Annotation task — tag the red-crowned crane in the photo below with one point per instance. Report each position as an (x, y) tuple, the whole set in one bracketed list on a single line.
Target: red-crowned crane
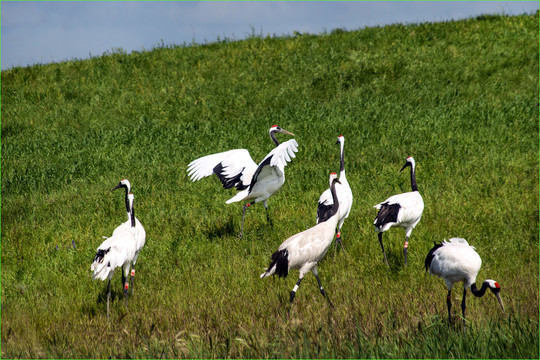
[(344, 193), (115, 252), (454, 261), (404, 210), (235, 168), (140, 233), (304, 250)]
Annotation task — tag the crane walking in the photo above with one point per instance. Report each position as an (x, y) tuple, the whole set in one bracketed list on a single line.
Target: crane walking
[(344, 193), (236, 168), (304, 250), (454, 261), (404, 210)]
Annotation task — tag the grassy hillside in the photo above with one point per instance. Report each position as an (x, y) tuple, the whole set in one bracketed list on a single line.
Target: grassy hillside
[(461, 97)]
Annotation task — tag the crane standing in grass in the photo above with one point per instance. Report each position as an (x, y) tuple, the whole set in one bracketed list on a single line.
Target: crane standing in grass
[(454, 261), (235, 168), (344, 193), (140, 233), (116, 252), (304, 250), (403, 210)]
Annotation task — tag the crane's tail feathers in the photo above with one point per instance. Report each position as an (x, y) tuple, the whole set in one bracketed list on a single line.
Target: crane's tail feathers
[(238, 197), (101, 270), (279, 264)]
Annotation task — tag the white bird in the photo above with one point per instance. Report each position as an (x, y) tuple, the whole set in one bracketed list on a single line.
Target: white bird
[(344, 193), (454, 261), (116, 251), (140, 233), (404, 210), (235, 168), (304, 250)]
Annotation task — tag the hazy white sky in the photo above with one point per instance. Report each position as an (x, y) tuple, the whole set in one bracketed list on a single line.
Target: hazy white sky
[(43, 32)]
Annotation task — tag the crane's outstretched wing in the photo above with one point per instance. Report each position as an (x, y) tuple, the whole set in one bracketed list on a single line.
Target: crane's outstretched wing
[(233, 168), (277, 158)]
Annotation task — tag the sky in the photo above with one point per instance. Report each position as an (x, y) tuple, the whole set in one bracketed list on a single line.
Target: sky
[(40, 32)]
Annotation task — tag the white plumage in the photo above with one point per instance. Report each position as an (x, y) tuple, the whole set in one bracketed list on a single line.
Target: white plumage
[(116, 252), (304, 250), (140, 233), (403, 210), (235, 168), (456, 261), (344, 194)]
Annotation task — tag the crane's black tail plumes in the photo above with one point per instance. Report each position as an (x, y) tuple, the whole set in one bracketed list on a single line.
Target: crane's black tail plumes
[(279, 264), (431, 255), (388, 213)]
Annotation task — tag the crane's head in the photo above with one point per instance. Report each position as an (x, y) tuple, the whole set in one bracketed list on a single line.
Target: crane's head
[(340, 139), (496, 289), (408, 162), (123, 183), (275, 129), (333, 179)]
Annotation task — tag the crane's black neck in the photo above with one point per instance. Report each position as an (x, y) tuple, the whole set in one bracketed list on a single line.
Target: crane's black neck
[(481, 292), (335, 205), (413, 179), (126, 199), (132, 215), (273, 136)]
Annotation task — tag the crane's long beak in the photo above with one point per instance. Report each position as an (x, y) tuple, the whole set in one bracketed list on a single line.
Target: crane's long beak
[(500, 300), (283, 131), (404, 166), (116, 187)]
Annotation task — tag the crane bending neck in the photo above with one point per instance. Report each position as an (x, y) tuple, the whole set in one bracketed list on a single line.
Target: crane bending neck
[(481, 292)]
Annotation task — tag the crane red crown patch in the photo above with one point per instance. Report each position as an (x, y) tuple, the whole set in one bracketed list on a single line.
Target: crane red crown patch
[(274, 126), (333, 173), (497, 285)]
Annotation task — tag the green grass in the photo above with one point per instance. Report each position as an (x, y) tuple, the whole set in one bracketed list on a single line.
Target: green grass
[(461, 97)]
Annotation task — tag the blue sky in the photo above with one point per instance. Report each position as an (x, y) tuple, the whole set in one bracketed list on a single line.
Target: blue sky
[(44, 32)]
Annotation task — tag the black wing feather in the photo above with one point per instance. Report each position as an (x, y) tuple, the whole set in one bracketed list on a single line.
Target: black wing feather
[(431, 255), (324, 212), (230, 182), (387, 213)]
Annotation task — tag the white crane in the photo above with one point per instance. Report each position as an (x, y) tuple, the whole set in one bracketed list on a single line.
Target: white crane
[(140, 233), (404, 210), (116, 251), (304, 250), (235, 168), (344, 193), (454, 261)]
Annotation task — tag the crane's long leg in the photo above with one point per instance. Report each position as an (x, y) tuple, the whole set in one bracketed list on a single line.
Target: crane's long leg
[(463, 306), (338, 240), (295, 288), (243, 215), (314, 271), (405, 247), (382, 247), (108, 297), (132, 277), (125, 285), (265, 203), (449, 305)]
